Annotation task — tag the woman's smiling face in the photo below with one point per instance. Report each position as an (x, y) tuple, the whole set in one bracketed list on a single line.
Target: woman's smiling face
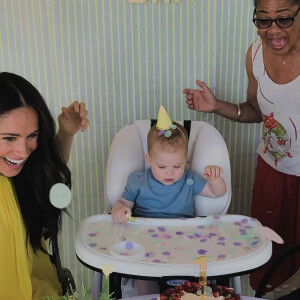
[(19, 129), (279, 40)]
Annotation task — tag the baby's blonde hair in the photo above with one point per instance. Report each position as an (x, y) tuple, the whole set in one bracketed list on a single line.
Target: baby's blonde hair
[(178, 138)]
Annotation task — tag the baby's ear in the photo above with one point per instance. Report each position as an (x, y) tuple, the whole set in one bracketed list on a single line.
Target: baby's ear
[(148, 159)]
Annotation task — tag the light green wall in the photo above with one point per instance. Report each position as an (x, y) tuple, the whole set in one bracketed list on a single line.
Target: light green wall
[(124, 60)]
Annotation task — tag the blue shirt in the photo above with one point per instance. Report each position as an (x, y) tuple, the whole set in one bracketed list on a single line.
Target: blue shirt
[(156, 200)]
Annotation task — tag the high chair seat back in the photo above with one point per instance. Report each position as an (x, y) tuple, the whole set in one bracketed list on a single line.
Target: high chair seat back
[(206, 147)]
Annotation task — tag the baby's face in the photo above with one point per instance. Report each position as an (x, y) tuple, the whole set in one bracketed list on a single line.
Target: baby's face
[(167, 167)]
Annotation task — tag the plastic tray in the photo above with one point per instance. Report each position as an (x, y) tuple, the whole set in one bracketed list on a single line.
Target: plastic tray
[(164, 247)]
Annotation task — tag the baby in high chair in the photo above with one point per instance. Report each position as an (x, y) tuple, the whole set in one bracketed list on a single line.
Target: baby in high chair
[(166, 189)]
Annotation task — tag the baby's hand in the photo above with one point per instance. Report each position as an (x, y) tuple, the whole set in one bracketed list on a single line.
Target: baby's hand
[(212, 172), (121, 214)]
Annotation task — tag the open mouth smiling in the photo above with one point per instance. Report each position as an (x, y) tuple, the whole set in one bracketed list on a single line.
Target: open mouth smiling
[(13, 162), (278, 43)]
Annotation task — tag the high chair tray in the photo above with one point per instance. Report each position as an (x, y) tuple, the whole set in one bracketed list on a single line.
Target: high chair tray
[(164, 247)]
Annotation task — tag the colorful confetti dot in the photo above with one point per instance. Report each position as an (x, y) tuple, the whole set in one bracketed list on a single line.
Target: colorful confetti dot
[(150, 254), (247, 249), (190, 181), (179, 232), (166, 236), (168, 133), (161, 229), (129, 245)]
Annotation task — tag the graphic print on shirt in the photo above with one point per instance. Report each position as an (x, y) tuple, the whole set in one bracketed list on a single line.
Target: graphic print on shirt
[(277, 140)]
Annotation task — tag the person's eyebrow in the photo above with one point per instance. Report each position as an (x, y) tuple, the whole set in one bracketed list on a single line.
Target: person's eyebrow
[(277, 11), (16, 134), (8, 133)]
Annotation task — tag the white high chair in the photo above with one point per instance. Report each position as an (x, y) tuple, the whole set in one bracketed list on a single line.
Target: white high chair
[(206, 147)]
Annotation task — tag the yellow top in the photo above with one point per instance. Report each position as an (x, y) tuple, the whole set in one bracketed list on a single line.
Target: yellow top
[(23, 274)]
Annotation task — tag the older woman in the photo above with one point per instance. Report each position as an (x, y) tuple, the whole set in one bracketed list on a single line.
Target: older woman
[(273, 97)]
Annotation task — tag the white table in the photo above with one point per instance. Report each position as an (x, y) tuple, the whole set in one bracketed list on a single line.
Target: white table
[(167, 247)]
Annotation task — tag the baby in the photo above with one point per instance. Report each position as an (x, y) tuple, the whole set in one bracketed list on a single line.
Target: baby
[(166, 189)]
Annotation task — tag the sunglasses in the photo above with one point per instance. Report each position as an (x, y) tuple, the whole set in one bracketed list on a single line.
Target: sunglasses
[(280, 22)]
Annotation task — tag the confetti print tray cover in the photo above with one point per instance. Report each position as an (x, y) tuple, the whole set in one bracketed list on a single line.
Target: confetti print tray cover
[(174, 241)]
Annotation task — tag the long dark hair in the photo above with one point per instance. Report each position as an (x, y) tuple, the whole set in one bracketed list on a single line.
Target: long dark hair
[(43, 168)]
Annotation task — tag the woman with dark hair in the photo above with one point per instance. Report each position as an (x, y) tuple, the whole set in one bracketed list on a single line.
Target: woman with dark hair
[(273, 97), (32, 160)]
